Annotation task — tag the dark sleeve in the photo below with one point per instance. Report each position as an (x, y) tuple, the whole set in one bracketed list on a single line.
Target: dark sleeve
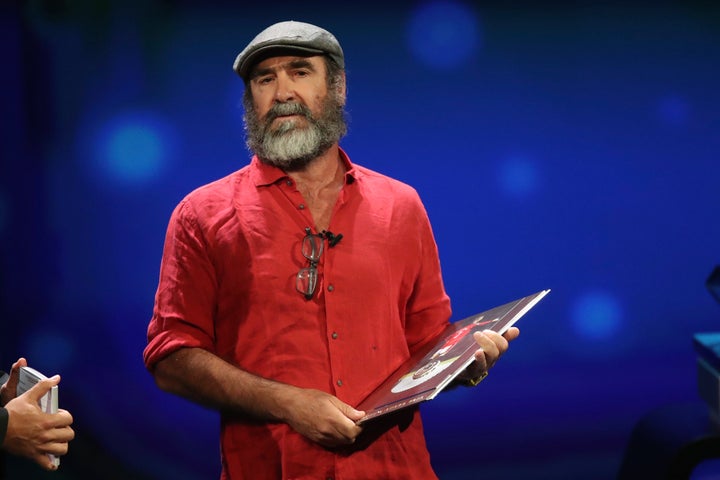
[(3, 416), (3, 424)]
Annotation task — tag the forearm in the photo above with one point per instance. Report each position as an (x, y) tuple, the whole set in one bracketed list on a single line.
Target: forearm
[(206, 379)]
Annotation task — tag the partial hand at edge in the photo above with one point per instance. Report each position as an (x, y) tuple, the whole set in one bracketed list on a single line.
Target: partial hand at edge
[(9, 390), (33, 433)]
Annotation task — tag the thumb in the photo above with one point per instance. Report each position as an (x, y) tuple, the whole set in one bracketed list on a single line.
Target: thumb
[(42, 387), (21, 362), (351, 413)]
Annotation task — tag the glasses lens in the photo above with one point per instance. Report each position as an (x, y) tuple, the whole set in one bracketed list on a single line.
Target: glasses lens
[(312, 247), (306, 281)]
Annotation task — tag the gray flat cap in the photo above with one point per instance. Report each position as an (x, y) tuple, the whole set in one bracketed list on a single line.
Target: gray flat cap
[(288, 38)]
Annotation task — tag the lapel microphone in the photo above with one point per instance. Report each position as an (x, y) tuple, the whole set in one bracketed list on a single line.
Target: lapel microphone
[(332, 238)]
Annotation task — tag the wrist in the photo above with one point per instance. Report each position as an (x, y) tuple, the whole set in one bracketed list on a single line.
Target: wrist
[(280, 402)]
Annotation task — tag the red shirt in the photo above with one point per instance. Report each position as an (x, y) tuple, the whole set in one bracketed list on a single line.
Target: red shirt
[(227, 284)]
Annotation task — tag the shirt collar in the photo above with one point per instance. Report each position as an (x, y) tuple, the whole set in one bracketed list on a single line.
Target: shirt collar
[(264, 174)]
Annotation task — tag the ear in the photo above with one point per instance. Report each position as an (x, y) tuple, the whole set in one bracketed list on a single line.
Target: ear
[(342, 88)]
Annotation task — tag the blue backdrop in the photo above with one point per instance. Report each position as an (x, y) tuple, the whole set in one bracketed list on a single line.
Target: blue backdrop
[(571, 146)]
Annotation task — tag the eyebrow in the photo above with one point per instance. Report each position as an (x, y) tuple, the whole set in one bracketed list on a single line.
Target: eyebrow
[(296, 63)]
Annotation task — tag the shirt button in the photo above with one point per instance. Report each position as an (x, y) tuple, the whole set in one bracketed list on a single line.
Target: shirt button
[(331, 287), (339, 382), (334, 335), (301, 206), (288, 183)]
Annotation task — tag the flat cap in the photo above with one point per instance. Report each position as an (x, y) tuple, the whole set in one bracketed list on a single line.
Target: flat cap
[(288, 38)]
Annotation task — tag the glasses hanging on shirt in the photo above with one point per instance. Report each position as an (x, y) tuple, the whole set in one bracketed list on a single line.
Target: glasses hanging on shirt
[(312, 248)]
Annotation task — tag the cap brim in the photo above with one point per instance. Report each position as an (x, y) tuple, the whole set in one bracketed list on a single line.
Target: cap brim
[(244, 65)]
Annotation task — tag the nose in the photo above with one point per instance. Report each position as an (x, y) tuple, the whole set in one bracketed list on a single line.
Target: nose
[(285, 91)]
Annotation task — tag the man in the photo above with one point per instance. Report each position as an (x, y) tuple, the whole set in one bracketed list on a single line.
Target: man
[(25, 429), (292, 287)]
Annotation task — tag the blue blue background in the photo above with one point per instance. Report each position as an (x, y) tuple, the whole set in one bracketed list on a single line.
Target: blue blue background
[(572, 146)]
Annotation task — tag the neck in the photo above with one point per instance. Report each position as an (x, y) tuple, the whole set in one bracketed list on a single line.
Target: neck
[(324, 171), (320, 183)]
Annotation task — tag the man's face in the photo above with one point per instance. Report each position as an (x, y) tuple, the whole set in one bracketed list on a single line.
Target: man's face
[(291, 116)]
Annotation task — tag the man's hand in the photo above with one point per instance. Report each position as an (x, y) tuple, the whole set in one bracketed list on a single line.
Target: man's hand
[(322, 418), (33, 433), (492, 347), (9, 390)]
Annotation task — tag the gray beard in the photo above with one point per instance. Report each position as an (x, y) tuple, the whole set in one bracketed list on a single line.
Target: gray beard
[(290, 146)]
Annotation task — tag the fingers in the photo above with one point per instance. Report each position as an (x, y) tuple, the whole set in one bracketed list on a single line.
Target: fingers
[(58, 447), (345, 427), (42, 387), (492, 346), (61, 419), (491, 343), (62, 433), (348, 435), (58, 434), (350, 412), (511, 334), (327, 420), (349, 429), (55, 442)]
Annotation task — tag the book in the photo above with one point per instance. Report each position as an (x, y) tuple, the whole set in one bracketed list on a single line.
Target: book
[(432, 368), (48, 403)]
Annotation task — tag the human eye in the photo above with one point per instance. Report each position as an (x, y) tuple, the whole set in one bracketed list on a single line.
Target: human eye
[(264, 79), (301, 69)]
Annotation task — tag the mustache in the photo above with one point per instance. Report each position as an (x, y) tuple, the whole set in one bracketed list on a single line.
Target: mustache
[(288, 108)]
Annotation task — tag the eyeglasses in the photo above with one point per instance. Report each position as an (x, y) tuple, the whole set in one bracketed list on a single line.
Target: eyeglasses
[(312, 248)]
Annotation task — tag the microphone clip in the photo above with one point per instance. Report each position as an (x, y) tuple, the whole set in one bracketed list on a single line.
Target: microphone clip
[(331, 237)]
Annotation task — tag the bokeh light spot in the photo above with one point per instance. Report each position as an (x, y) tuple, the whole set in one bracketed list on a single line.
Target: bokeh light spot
[(134, 151), (596, 315), (443, 35), (133, 148), (518, 177)]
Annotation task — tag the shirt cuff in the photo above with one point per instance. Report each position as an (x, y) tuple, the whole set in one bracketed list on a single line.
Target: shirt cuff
[(3, 424)]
